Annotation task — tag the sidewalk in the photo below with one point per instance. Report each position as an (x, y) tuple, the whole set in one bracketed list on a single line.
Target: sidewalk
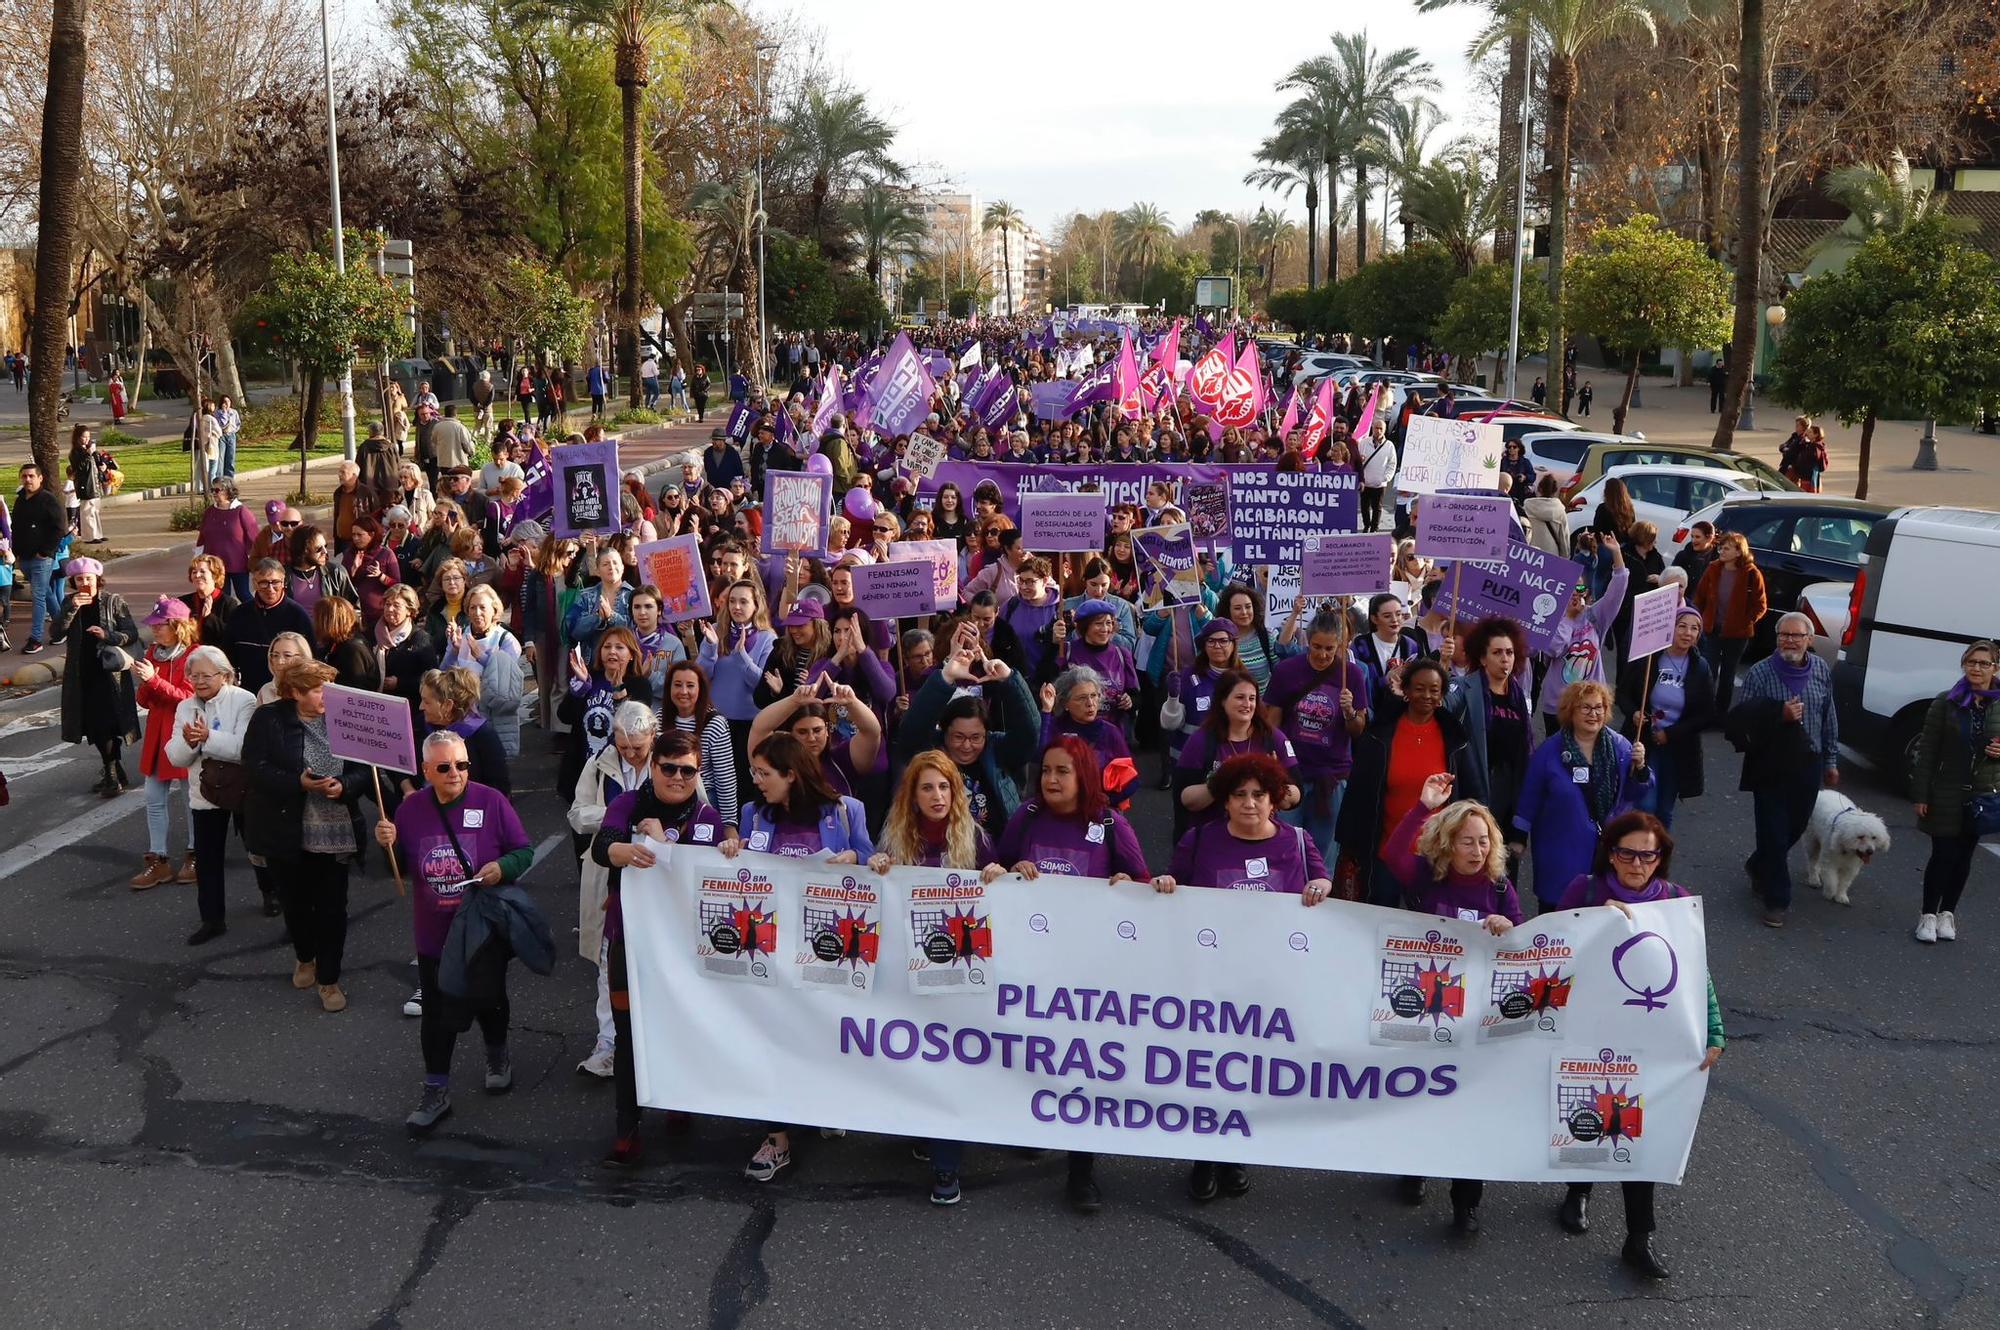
[(155, 559)]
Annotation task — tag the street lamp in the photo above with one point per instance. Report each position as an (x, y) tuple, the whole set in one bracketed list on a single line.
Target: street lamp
[(1774, 318), (763, 330), (339, 242), (1236, 286), (1520, 240)]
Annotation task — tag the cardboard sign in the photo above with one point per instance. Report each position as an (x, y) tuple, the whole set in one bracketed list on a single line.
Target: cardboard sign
[(1653, 616), (797, 506), (923, 455), (586, 489), (895, 590), (1442, 454), (1456, 527), (942, 556), (370, 727), (1346, 565), (673, 568), (1063, 523)]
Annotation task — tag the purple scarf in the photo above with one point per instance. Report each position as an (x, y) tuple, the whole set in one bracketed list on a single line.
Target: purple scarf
[(1964, 695)]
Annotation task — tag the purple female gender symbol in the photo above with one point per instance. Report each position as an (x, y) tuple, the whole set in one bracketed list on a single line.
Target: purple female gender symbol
[(1648, 999)]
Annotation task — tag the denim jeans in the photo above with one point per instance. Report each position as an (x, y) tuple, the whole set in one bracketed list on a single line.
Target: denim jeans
[(226, 455), (1666, 791), (1781, 813), (1318, 814), (44, 593), (158, 814)]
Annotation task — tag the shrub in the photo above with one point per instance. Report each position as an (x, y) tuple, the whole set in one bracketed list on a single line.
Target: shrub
[(187, 516), (637, 415), (117, 438), (280, 419)]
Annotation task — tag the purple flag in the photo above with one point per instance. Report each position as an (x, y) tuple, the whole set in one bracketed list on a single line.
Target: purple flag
[(1100, 385), (829, 401), (900, 396), (1201, 325), (538, 499), (1000, 403)]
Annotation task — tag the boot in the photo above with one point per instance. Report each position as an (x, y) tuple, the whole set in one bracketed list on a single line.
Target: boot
[(185, 873), (1639, 1257), (105, 784), (116, 782), (1575, 1213), (158, 869), (1082, 1191)]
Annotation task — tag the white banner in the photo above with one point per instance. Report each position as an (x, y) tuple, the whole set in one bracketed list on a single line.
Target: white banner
[(1442, 454), (1067, 1013)]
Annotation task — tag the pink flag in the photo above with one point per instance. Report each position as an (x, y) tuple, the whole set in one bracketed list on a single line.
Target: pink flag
[(1320, 422), (1248, 363), (1167, 355), (1291, 415), (1375, 395), (1207, 376), (1242, 391), (1129, 400)]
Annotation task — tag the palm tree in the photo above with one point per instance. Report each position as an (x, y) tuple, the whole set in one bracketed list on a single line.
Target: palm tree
[(888, 228), (1568, 30), (1143, 231), (1318, 121), (1513, 90), (1885, 200), (837, 138), (1450, 200), (57, 224), (1291, 163), (1005, 218), (1406, 135), (1367, 84), (1273, 234)]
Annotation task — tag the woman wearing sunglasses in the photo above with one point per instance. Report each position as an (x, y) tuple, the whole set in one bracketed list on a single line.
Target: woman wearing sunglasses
[(1634, 855)]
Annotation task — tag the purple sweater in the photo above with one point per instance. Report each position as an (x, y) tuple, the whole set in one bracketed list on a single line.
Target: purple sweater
[(228, 534), (1113, 662), (1310, 700), (1453, 896), (487, 828), (1588, 889), (1071, 846), (1213, 856)]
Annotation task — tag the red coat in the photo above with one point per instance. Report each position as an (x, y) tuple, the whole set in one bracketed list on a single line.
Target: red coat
[(160, 695)]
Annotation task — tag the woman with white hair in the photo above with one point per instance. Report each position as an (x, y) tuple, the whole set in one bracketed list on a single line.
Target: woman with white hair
[(484, 646), (417, 496), (206, 739), (619, 769)]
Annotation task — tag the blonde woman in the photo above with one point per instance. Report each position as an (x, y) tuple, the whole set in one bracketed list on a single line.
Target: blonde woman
[(484, 646), (417, 496), (209, 724), (1453, 864), (930, 825), (449, 587)]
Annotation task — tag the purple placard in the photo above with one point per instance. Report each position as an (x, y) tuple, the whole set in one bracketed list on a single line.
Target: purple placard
[(797, 505), (942, 556), (1531, 587), (1653, 616), (1049, 399), (895, 590), (586, 489), (1207, 508), (1063, 523), (375, 728), (1347, 565), (1459, 527)]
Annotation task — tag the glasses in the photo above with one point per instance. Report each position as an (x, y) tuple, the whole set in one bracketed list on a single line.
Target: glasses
[(1978, 664), (287, 526), (1793, 637), (680, 770), (1590, 708), (1630, 856), (446, 768)]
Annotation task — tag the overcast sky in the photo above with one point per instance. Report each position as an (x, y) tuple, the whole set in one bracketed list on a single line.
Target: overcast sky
[(1090, 104)]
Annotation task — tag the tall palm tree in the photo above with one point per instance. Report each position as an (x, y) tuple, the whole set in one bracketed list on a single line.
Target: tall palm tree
[(1450, 200), (837, 139), (1406, 135), (1513, 91), (1885, 199), (1319, 120), (1568, 30), (1274, 235), (57, 224), (1292, 162), (1005, 218), (888, 228), (1143, 231), (1367, 84)]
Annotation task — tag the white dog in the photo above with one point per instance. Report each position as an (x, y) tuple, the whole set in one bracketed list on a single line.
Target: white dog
[(1840, 840)]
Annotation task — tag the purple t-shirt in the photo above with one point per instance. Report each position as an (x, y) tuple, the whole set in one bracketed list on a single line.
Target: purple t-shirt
[(697, 825), (486, 826), (1453, 896), (1310, 700), (1071, 846), (1213, 856)]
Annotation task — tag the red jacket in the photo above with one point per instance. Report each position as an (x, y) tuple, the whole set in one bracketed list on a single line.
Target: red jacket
[(160, 695)]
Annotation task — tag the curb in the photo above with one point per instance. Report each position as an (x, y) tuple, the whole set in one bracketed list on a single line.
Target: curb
[(185, 488)]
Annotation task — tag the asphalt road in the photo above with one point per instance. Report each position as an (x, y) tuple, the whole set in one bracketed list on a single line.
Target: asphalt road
[(187, 1141)]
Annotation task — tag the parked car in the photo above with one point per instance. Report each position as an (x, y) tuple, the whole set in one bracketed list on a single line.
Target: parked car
[(1923, 593), (1524, 424), (1664, 496), (1601, 452)]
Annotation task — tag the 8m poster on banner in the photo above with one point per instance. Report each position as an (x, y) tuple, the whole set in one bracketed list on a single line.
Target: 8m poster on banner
[(1069, 1013)]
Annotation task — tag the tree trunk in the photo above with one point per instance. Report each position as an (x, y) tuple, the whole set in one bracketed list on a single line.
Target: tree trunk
[(1709, 167), (1512, 90), (1562, 88), (1749, 225), (1624, 407), (1312, 234), (628, 291), (228, 380), (1332, 223), (60, 218), (1867, 444), (1360, 214), (314, 394), (145, 349)]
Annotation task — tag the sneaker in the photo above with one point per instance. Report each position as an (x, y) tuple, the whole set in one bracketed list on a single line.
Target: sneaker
[(1927, 928), (331, 998), (413, 1005), (6, 644), (305, 974), (499, 1070), (207, 933), (768, 1162), (832, 1133), (599, 1063), (432, 1109), (33, 648), (944, 1188), (1947, 926)]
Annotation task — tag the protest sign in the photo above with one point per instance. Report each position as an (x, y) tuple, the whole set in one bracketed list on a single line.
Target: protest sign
[(1347, 565), (1531, 587), (1207, 508), (797, 505), (942, 556), (1653, 615), (1063, 523), (1451, 526), (1283, 590), (1227, 1025), (368, 727), (922, 455), (673, 568), (1167, 552), (1049, 399), (740, 419), (895, 590), (1442, 454), (586, 489), (1273, 512)]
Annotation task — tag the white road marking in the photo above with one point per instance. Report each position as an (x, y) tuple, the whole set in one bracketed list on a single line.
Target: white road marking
[(33, 764), (40, 720), (31, 852), (546, 848)]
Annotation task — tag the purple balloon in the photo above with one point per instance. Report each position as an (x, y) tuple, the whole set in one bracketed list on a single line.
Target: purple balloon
[(860, 504), (818, 465)]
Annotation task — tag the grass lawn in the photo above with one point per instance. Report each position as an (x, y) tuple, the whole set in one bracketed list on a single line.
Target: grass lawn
[(148, 465)]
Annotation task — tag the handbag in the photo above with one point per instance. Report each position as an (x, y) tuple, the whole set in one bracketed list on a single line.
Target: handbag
[(224, 784), (1982, 815)]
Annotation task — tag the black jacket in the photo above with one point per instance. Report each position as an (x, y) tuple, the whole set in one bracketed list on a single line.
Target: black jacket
[(492, 927), (1360, 827), (408, 660), (274, 752), (251, 628), (1684, 735), (1775, 751), (40, 522)]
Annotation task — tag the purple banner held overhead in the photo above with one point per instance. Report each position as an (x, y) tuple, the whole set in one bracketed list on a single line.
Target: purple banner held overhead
[(900, 396), (1531, 587), (1347, 565), (586, 489), (1001, 401), (1451, 526), (538, 500), (1049, 399), (895, 590), (738, 428)]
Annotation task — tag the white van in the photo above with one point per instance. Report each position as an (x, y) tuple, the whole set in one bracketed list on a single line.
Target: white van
[(1925, 590)]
